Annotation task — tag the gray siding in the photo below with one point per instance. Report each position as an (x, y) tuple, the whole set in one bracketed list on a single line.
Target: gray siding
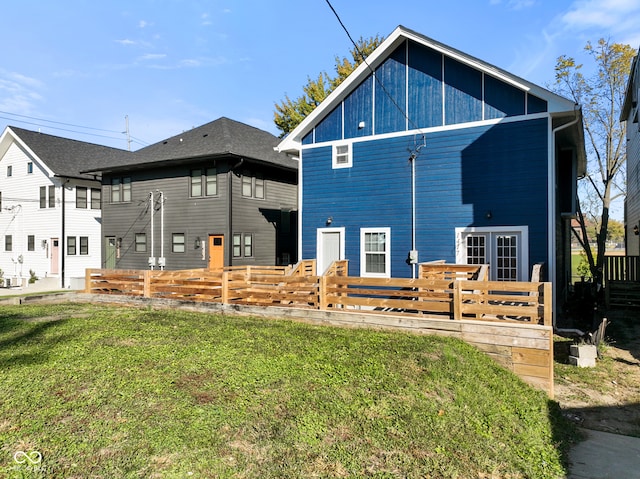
[(196, 217)]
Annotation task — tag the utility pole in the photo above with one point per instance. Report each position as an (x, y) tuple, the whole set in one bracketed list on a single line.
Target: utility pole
[(126, 118)]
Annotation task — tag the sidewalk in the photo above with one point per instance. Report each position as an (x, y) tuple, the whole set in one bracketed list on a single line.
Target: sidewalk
[(44, 285), (605, 456)]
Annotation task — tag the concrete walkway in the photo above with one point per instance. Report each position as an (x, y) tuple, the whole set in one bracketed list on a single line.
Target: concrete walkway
[(605, 456)]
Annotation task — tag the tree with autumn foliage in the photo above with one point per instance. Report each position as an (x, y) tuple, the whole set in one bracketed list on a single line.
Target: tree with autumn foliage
[(601, 94), (290, 113)]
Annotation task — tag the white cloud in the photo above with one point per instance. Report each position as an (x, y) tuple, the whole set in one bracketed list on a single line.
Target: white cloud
[(143, 23), (126, 41), (515, 4), (609, 14), (19, 93), (206, 20), (152, 56)]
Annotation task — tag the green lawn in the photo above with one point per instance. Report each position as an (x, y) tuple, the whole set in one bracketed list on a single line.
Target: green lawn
[(109, 392)]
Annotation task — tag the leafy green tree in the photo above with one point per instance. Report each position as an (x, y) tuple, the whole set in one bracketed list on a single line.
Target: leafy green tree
[(601, 95), (290, 113)]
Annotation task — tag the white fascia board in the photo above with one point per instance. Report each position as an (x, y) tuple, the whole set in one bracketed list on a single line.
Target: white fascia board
[(9, 136)]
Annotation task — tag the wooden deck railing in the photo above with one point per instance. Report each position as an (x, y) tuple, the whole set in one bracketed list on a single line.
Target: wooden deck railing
[(277, 286), (621, 268)]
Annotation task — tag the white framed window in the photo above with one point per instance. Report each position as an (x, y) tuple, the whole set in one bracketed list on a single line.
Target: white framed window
[(375, 252), (342, 157), (504, 248)]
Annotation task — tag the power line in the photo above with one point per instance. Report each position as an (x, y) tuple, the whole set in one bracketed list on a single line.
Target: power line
[(373, 73), (137, 140), (57, 122)]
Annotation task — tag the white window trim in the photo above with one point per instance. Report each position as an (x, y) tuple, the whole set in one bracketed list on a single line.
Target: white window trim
[(387, 253), (523, 231), (334, 155)]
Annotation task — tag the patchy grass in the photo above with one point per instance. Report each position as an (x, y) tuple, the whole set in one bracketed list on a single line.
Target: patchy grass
[(128, 393)]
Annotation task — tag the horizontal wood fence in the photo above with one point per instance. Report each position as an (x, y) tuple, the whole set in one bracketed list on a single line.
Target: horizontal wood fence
[(510, 321), (283, 286)]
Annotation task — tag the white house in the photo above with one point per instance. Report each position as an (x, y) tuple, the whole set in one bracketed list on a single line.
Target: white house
[(50, 213)]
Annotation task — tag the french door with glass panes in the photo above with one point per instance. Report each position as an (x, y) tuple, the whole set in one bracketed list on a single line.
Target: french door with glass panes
[(505, 250)]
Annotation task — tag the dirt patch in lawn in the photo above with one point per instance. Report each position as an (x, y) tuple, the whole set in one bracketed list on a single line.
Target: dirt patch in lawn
[(607, 397)]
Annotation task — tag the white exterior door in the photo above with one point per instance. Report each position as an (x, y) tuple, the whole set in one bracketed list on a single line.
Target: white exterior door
[(330, 247)]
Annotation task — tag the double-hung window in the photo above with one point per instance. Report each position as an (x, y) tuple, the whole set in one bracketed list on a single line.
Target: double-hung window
[(52, 196), (141, 243), (375, 252), (81, 197), (96, 195), (504, 249), (178, 243), (341, 157), (71, 245), (120, 190), (242, 245), (204, 182)]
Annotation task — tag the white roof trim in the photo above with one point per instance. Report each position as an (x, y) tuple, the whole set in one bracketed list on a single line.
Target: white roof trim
[(9, 136), (292, 141)]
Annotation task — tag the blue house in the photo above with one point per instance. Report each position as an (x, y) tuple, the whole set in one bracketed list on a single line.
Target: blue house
[(426, 153)]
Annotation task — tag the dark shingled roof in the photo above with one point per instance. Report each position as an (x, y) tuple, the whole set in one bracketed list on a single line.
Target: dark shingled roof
[(68, 157), (222, 137)]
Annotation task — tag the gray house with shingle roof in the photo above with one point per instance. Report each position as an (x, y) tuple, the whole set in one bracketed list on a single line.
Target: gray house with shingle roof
[(50, 216), (217, 195)]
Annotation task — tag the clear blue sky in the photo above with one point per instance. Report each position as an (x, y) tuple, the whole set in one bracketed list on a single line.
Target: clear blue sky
[(171, 65)]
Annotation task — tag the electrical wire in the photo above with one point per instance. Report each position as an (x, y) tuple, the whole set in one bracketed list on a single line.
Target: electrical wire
[(137, 140), (373, 73)]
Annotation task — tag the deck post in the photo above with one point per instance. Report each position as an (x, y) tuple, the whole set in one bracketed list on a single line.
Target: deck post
[(548, 304), (87, 280), (322, 292), (225, 287), (457, 300), (146, 285)]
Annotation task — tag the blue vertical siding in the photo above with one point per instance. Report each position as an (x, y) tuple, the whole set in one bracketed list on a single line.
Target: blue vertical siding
[(460, 175), (425, 87), (390, 100), (409, 84), (358, 107), (330, 128), (502, 99), (463, 92), (535, 104)]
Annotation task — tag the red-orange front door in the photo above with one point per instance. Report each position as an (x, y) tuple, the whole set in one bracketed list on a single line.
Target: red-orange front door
[(216, 251)]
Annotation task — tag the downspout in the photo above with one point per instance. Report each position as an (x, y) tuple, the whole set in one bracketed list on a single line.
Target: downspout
[(152, 258), (413, 213), (161, 261), (62, 234), (552, 207), (229, 241)]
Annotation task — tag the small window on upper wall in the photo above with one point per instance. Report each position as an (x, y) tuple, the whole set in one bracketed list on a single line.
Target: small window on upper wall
[(9, 170), (342, 156), (29, 167), (81, 197)]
